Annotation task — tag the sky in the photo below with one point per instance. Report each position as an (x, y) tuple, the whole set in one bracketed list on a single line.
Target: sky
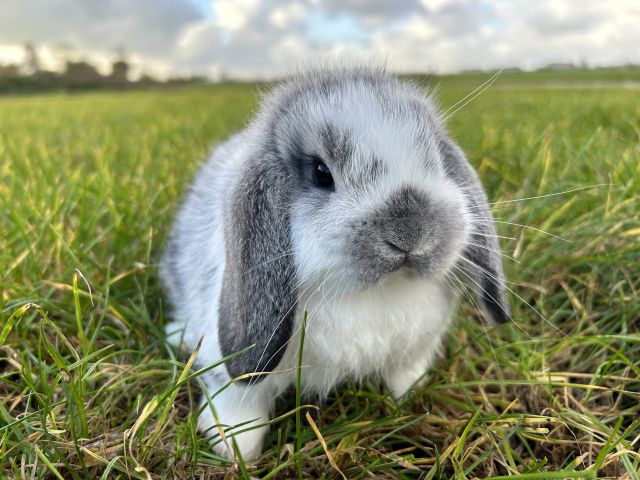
[(266, 38)]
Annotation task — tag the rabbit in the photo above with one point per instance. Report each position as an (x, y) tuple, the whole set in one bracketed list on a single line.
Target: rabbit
[(344, 200)]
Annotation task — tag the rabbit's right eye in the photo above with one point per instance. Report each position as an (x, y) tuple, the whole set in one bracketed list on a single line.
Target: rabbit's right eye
[(322, 175)]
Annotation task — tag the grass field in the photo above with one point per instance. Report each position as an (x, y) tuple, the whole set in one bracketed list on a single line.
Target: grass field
[(88, 388)]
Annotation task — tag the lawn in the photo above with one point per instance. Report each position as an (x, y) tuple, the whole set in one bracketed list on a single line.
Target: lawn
[(89, 389)]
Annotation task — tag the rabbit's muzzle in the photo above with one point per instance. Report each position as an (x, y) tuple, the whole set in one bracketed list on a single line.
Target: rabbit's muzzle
[(410, 231)]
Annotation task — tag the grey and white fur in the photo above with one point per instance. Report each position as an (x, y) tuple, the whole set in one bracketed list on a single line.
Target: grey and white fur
[(258, 242)]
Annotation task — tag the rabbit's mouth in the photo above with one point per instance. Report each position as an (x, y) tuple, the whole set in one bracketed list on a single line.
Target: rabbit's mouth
[(376, 269)]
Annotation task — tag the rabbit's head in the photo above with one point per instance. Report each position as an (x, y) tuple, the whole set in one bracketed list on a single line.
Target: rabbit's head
[(352, 179)]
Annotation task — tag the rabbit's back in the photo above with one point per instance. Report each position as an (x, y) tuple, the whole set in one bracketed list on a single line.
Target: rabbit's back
[(193, 262)]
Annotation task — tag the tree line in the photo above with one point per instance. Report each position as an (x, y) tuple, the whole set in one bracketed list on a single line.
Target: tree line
[(77, 75)]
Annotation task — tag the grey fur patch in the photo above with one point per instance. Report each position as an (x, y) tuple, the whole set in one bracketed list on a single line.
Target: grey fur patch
[(257, 306), (338, 145), (488, 276), (411, 231), (340, 148), (367, 172)]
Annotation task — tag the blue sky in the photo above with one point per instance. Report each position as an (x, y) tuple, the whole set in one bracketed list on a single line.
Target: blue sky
[(263, 38)]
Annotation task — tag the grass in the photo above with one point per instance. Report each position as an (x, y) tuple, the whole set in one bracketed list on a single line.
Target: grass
[(88, 388)]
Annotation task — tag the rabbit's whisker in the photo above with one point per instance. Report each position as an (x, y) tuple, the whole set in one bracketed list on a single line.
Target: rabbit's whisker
[(253, 380), (481, 289), (458, 285), (273, 259), (513, 292), (463, 102), (532, 228), (497, 252), (506, 203), (474, 232), (310, 317), (586, 187)]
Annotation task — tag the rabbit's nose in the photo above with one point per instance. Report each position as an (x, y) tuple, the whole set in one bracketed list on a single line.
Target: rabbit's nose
[(400, 247), (396, 254), (397, 249), (402, 225)]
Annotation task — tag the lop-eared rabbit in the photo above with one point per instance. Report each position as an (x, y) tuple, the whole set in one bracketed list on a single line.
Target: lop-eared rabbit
[(345, 200)]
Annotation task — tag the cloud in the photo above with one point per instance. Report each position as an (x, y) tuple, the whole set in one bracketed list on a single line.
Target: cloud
[(147, 28), (271, 37), (373, 13)]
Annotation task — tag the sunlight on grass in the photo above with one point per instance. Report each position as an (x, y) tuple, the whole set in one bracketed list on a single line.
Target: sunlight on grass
[(88, 388)]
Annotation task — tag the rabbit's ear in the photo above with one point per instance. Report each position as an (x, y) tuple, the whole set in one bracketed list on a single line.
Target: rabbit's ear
[(481, 265), (258, 296)]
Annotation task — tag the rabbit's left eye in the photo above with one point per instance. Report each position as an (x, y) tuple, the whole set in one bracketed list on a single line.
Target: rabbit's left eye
[(322, 175)]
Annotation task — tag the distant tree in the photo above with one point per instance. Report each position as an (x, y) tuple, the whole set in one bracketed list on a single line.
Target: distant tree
[(31, 59), (187, 80), (119, 75), (9, 71), (29, 75), (147, 80), (81, 74)]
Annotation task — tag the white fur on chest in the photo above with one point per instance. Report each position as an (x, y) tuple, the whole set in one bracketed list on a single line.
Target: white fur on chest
[(364, 333)]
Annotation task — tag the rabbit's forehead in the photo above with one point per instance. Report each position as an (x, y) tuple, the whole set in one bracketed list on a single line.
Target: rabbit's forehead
[(360, 133)]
